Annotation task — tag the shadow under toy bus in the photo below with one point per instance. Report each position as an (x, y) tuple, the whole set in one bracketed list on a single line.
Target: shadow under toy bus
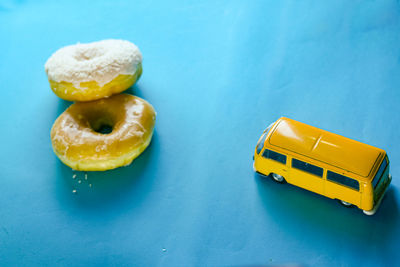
[(323, 162)]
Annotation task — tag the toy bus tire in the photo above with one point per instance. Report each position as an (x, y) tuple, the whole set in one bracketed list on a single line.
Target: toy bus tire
[(278, 178), (345, 203)]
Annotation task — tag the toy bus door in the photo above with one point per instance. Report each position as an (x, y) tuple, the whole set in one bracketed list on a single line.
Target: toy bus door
[(307, 176), (273, 162)]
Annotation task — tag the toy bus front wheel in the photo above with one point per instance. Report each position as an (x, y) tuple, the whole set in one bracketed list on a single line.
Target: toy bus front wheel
[(278, 178)]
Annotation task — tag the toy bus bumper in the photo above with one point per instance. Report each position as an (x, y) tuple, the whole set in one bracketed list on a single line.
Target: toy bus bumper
[(372, 212)]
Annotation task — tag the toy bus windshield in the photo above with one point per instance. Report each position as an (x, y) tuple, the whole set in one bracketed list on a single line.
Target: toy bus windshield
[(379, 173)]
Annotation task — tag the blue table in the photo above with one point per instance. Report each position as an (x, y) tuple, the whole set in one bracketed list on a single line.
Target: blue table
[(217, 72)]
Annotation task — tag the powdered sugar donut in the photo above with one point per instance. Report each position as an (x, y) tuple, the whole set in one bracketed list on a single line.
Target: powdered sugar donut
[(86, 72)]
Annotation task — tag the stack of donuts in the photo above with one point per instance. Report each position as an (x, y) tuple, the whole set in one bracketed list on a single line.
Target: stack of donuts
[(103, 129)]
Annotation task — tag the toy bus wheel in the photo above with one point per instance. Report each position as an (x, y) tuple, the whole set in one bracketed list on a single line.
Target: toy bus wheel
[(278, 178), (346, 204)]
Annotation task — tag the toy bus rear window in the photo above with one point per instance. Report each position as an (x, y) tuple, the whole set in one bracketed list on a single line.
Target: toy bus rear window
[(261, 143)]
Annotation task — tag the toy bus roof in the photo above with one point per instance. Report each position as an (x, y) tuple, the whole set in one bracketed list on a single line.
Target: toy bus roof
[(324, 146)]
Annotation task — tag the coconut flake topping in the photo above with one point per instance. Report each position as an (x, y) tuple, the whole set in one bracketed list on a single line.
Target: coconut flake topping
[(98, 61)]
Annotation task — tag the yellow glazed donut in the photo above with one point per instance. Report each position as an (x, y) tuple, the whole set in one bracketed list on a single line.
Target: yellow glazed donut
[(86, 72), (103, 134)]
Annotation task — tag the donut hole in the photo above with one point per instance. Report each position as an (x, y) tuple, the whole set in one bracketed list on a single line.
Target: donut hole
[(85, 54), (102, 124), (105, 129)]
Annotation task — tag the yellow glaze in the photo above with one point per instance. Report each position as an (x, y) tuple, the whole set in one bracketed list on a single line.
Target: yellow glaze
[(326, 150), (78, 144), (90, 91)]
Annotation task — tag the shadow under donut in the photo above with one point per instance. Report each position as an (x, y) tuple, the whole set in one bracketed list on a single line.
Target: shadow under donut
[(62, 106), (135, 90), (112, 191)]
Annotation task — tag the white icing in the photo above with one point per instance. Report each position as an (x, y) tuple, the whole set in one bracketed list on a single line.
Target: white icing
[(98, 61)]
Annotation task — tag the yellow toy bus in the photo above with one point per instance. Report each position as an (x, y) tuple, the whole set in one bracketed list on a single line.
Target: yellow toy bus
[(323, 162)]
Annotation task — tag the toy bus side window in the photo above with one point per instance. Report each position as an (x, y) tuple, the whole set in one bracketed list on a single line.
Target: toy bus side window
[(307, 167), (343, 180), (269, 154)]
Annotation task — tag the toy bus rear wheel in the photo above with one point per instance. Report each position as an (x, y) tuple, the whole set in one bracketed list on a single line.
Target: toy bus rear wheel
[(345, 203), (278, 178)]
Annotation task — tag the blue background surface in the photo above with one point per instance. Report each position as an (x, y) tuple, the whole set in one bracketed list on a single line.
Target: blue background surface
[(217, 72)]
